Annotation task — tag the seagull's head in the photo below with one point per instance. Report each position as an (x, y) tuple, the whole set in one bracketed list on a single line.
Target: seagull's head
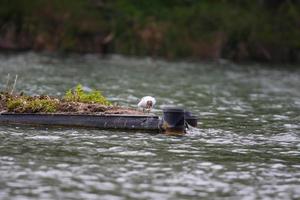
[(149, 104)]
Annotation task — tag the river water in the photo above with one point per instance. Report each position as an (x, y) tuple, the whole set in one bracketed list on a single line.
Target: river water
[(247, 145)]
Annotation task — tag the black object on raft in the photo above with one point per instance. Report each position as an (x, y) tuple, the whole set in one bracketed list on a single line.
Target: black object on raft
[(190, 119), (172, 122)]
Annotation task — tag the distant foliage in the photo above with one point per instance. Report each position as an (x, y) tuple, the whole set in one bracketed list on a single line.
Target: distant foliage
[(79, 95), (266, 30)]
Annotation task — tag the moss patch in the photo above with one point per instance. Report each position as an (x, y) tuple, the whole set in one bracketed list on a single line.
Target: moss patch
[(32, 105)]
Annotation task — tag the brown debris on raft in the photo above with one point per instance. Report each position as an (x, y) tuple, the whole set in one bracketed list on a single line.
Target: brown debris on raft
[(65, 107), (3, 101), (94, 108)]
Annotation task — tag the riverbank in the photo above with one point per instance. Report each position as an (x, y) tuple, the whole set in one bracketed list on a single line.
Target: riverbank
[(207, 30)]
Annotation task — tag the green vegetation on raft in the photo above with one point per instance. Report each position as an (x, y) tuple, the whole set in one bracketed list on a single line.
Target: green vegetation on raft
[(79, 95), (72, 100), (31, 105)]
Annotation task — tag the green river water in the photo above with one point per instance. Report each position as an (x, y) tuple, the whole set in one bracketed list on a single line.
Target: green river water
[(246, 146)]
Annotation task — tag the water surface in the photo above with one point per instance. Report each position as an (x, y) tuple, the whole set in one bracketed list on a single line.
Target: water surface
[(247, 145)]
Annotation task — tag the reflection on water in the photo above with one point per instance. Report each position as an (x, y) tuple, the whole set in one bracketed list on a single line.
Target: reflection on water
[(247, 146)]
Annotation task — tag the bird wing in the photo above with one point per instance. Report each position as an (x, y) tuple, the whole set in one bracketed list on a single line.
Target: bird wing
[(141, 103), (153, 101)]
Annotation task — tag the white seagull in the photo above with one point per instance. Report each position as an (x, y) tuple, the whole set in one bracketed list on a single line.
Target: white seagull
[(147, 103)]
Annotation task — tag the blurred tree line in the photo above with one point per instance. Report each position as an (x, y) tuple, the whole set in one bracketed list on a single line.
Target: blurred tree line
[(242, 30)]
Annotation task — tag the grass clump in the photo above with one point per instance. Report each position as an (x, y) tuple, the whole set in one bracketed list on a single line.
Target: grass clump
[(32, 105), (42, 105), (79, 95), (14, 104)]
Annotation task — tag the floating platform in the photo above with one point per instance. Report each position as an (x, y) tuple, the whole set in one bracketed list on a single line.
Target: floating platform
[(108, 121), (173, 121)]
